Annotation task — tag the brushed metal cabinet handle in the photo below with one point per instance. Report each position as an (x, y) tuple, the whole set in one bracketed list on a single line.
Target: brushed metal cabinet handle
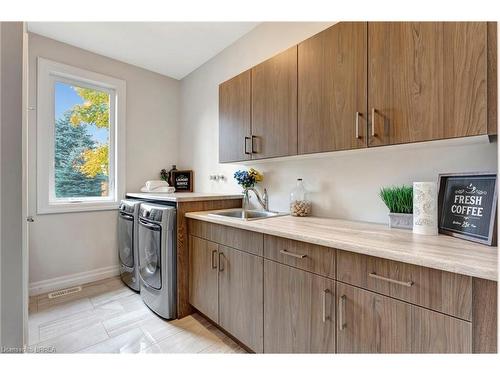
[(253, 149), (221, 264), (357, 125), (214, 263), (246, 152), (398, 282), (325, 318), (342, 325), (374, 111), (298, 256)]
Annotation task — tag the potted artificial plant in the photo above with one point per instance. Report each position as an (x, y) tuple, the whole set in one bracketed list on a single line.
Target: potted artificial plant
[(399, 201)]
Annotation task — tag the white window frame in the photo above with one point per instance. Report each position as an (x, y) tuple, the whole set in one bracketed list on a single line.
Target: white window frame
[(50, 72)]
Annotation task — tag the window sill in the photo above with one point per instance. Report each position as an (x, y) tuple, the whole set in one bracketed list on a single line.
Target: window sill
[(77, 207)]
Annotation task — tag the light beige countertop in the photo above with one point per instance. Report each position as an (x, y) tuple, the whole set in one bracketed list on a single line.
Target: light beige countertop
[(184, 197), (440, 252)]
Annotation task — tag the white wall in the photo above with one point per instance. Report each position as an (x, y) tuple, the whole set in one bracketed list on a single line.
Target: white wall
[(11, 127), (72, 243), (342, 185)]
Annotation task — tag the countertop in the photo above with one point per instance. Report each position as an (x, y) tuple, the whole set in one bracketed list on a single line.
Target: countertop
[(183, 197), (440, 252)]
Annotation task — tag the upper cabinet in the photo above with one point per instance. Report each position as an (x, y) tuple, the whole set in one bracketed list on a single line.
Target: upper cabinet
[(359, 84), (332, 113), (426, 81), (274, 106), (234, 119)]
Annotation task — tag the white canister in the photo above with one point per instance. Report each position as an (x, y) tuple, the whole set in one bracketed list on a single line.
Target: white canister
[(425, 208)]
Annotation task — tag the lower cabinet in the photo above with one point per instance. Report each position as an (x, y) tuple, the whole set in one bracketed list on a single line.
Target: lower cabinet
[(226, 285), (371, 323), (241, 296), (299, 311), (204, 276), (272, 304)]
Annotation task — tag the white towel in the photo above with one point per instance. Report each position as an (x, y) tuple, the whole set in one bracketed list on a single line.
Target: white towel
[(161, 189), (153, 184)]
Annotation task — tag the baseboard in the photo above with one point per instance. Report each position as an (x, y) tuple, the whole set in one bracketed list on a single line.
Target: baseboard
[(57, 283)]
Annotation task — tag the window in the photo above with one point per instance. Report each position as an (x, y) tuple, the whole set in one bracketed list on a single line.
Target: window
[(80, 139)]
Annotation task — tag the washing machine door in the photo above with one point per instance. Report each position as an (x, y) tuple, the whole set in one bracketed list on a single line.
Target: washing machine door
[(150, 253), (126, 239)]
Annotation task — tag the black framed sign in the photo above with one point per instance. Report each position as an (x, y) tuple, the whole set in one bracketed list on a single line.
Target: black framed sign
[(467, 204), (183, 180)]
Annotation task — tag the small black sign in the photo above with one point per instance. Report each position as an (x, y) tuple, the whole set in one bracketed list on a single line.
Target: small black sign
[(467, 206), (183, 180)]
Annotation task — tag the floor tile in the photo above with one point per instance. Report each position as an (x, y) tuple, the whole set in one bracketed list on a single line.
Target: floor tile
[(111, 295), (60, 311), (133, 341), (108, 317), (79, 320), (127, 321), (77, 340), (158, 329)]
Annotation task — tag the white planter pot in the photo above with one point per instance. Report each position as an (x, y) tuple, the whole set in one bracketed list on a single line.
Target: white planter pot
[(401, 221)]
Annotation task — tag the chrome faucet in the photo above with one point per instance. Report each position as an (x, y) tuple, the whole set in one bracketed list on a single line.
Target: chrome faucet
[(263, 201)]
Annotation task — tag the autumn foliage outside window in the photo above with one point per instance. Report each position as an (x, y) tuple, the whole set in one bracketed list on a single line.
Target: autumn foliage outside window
[(82, 141)]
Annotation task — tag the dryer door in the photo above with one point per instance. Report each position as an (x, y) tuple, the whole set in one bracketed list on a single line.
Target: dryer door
[(126, 239), (150, 254)]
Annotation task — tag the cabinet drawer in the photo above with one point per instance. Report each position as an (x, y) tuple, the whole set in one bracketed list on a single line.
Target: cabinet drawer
[(306, 256), (442, 291), (251, 242)]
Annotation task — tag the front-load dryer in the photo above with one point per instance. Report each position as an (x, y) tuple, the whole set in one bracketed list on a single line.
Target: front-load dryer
[(158, 258), (128, 242)]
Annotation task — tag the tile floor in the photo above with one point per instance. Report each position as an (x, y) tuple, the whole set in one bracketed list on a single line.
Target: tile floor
[(108, 317)]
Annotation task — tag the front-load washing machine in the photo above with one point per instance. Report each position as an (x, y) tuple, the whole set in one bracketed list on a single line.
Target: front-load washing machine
[(128, 242), (158, 258)]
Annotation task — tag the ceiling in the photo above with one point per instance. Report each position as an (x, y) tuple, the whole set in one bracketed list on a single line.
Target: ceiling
[(173, 49)]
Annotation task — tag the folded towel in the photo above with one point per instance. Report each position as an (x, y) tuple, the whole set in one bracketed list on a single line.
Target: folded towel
[(153, 184), (161, 189)]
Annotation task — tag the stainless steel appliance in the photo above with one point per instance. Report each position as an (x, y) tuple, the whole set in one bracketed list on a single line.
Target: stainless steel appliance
[(128, 242), (158, 258)]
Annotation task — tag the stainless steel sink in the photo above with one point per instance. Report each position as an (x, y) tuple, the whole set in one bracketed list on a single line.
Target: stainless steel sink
[(241, 214)]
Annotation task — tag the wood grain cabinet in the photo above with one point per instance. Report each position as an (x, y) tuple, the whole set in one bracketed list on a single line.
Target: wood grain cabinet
[(204, 276), (299, 311), (277, 295), (372, 323), (241, 296), (446, 292), (234, 119), (426, 81), (274, 106), (226, 285), (363, 84), (332, 112)]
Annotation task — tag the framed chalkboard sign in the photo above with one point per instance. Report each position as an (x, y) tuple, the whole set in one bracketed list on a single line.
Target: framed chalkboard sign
[(182, 180), (467, 205)]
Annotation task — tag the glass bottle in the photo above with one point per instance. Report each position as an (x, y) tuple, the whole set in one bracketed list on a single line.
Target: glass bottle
[(299, 203)]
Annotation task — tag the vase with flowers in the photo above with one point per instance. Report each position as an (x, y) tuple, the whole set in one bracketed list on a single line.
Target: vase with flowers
[(247, 180)]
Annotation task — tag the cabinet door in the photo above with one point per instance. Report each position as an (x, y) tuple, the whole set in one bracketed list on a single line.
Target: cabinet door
[(241, 296), (299, 311), (332, 113), (371, 323), (426, 81), (274, 106), (234, 119), (203, 277)]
